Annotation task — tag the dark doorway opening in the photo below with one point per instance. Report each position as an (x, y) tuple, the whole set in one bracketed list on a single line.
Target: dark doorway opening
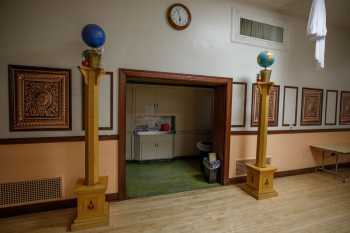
[(222, 114)]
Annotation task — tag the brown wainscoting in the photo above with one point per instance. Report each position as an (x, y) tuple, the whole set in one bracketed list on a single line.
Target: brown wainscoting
[(242, 179), (5, 141), (46, 206), (288, 131)]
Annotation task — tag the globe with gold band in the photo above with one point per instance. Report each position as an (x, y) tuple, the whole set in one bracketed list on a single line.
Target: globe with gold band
[(265, 59)]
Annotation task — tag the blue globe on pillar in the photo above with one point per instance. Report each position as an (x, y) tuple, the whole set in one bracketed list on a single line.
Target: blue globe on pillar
[(93, 35), (265, 59)]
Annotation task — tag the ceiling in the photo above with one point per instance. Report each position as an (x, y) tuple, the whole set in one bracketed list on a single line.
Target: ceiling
[(337, 10)]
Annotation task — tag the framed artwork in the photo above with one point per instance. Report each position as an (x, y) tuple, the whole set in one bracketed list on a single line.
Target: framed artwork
[(344, 118), (290, 106), (331, 107), (105, 102), (311, 106), (239, 104), (39, 98), (273, 106)]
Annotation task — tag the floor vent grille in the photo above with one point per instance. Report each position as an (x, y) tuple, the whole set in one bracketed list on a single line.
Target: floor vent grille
[(241, 169), (24, 192)]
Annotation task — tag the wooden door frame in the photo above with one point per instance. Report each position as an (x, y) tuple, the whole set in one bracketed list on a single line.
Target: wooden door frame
[(223, 89)]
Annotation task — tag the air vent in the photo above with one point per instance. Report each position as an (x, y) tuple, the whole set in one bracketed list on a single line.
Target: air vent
[(260, 30), (241, 169), (24, 192)]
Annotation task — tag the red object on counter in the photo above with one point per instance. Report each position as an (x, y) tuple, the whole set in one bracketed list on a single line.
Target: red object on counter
[(165, 127)]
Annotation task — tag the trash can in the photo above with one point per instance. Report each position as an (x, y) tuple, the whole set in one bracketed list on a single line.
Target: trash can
[(204, 148), (211, 169)]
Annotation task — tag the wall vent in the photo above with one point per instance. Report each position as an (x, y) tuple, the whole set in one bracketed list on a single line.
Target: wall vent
[(24, 192), (241, 169)]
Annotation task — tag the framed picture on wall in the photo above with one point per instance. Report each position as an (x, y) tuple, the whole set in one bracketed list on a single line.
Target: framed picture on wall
[(344, 118), (273, 105), (311, 106), (105, 102), (39, 98)]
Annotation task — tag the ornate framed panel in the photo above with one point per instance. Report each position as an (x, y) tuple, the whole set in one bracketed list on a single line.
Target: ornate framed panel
[(105, 102), (273, 105), (290, 106), (344, 116), (311, 106), (239, 104), (39, 98), (331, 107)]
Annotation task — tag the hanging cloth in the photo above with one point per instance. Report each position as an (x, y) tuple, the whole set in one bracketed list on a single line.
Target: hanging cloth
[(317, 29)]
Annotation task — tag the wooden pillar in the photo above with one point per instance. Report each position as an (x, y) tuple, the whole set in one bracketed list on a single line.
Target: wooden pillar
[(92, 209), (260, 176)]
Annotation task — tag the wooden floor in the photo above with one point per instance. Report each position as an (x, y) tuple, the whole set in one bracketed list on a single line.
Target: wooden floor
[(306, 203)]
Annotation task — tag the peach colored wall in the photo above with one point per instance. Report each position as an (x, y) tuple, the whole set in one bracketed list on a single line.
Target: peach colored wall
[(65, 159), (288, 151)]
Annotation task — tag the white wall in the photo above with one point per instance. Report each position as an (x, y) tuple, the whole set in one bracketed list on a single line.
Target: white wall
[(47, 33)]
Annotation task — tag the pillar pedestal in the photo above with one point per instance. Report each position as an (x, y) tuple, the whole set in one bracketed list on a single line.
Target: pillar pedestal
[(260, 182), (92, 209)]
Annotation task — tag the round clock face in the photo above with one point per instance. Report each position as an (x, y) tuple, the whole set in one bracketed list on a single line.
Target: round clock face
[(179, 16)]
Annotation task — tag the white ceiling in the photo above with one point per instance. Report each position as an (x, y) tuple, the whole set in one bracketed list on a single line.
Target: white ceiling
[(338, 11)]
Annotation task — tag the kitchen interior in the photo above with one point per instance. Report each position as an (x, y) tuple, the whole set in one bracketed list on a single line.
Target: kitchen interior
[(168, 133)]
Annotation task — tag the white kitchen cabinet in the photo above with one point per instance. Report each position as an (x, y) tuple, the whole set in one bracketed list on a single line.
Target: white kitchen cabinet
[(145, 100), (152, 147)]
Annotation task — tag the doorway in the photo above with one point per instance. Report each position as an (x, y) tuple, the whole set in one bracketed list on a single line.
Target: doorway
[(222, 114)]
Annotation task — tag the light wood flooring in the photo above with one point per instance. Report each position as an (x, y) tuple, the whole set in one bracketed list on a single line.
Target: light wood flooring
[(306, 203)]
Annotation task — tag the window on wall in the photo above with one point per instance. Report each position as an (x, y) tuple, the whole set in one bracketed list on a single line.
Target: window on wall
[(260, 30)]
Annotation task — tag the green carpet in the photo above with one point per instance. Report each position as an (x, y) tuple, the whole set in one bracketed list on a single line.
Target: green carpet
[(163, 177)]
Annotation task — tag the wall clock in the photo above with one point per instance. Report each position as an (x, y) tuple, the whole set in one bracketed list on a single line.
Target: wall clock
[(179, 16)]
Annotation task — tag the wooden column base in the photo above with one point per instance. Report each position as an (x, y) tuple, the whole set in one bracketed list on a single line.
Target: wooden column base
[(92, 209), (260, 182)]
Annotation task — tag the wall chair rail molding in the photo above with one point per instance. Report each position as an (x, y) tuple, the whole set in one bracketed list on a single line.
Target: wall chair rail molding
[(37, 140), (239, 104), (331, 107), (273, 106), (106, 84), (344, 116), (291, 131), (290, 112), (39, 98), (311, 106)]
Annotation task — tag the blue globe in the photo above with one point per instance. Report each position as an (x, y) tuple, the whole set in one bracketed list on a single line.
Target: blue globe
[(93, 35), (265, 59)]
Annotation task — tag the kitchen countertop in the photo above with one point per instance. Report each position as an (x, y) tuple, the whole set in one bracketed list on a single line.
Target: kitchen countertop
[(154, 132)]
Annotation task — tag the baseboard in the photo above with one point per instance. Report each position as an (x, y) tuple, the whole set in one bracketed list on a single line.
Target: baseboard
[(46, 206), (242, 179)]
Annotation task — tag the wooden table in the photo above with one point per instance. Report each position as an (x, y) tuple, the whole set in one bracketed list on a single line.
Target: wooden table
[(333, 150)]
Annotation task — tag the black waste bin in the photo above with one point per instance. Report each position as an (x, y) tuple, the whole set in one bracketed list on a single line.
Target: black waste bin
[(211, 170)]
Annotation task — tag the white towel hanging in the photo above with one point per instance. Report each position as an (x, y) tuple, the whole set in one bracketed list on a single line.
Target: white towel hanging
[(317, 29)]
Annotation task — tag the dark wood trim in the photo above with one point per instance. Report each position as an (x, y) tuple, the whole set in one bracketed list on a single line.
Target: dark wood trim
[(336, 108), (296, 104), (11, 95), (7, 141), (296, 131), (111, 113), (223, 84), (271, 124), (341, 122), (242, 179), (303, 123), (46, 206), (245, 104)]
